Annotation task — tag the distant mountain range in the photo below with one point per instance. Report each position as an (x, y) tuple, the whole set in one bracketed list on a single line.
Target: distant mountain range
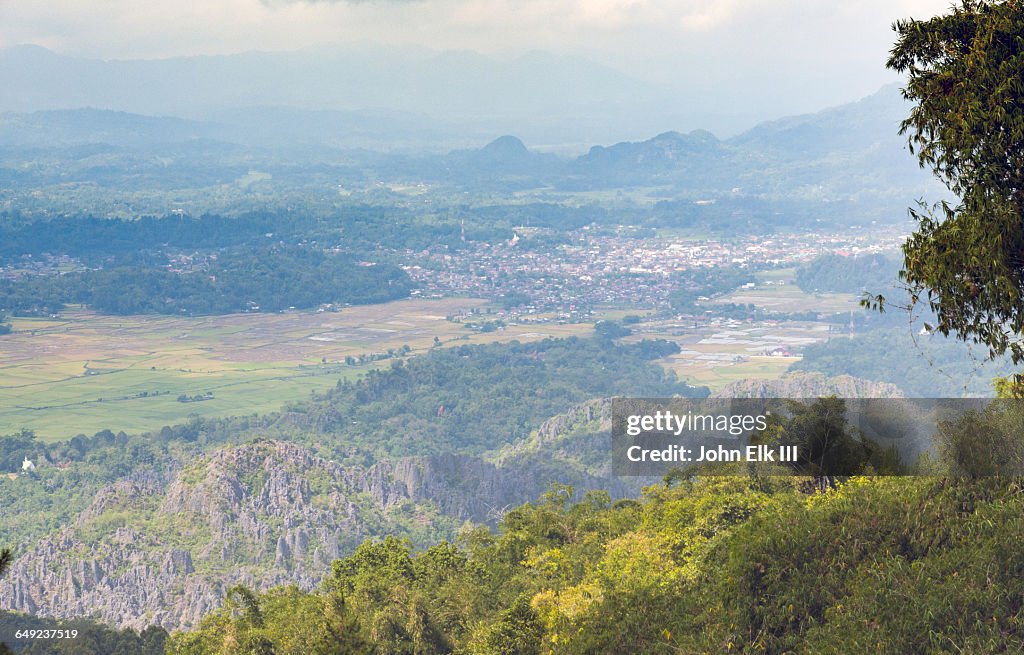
[(448, 99), (848, 153), (556, 99), (450, 82)]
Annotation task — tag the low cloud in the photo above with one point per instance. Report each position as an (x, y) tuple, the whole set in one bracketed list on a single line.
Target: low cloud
[(774, 51)]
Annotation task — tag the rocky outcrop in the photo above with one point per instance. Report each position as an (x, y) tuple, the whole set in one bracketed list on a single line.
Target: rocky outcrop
[(809, 385), (592, 412), (146, 553), (469, 488), (163, 550)]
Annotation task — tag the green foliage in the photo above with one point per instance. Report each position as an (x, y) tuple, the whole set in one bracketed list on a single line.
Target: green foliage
[(267, 279), (924, 366), (148, 239), (242, 598), (965, 70), (471, 399), (724, 564), (284, 621), (50, 497), (693, 283), (608, 330), (381, 594), (883, 566), (514, 299), (838, 274), (92, 638), (657, 348), (984, 443), (517, 631), (827, 444), (409, 604), (14, 448)]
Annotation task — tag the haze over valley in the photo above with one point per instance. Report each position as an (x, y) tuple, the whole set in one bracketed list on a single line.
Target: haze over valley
[(315, 316)]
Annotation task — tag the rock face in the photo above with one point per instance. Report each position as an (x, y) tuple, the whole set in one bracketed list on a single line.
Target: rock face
[(164, 549), (597, 412), (809, 385)]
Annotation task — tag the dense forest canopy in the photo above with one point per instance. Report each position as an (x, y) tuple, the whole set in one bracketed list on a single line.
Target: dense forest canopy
[(709, 565), (848, 274), (259, 279), (473, 399), (357, 227)]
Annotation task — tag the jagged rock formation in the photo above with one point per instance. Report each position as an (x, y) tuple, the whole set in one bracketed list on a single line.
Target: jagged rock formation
[(572, 447), (596, 414), (162, 549), (809, 385)]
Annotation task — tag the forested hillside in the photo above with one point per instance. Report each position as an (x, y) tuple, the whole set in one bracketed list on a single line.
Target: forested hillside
[(921, 365), (474, 399), (156, 528), (848, 274), (709, 565), (706, 566)]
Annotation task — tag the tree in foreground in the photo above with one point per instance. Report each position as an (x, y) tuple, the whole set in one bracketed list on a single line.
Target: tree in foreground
[(6, 557), (284, 621), (965, 262)]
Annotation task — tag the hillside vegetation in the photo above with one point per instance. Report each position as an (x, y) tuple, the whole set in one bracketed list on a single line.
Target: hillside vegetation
[(715, 565), (922, 365), (156, 528)]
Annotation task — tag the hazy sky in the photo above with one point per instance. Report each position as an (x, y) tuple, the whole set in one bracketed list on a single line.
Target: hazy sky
[(805, 53)]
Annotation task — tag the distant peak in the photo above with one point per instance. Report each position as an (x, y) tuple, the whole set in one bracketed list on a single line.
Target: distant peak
[(506, 145), (28, 49), (703, 135), (694, 136), (668, 136)]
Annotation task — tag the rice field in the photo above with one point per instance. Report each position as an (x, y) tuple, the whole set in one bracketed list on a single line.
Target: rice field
[(85, 372), (718, 352), (775, 290)]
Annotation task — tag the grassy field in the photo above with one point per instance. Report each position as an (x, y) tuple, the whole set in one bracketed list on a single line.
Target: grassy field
[(718, 352), (85, 372), (776, 291)]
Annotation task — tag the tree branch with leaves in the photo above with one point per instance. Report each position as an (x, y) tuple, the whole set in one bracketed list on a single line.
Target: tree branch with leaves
[(965, 261)]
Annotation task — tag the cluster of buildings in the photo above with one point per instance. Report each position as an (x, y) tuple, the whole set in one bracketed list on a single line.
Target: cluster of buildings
[(39, 265), (592, 269)]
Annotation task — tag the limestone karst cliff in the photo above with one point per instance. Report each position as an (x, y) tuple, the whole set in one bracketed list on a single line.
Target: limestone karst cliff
[(162, 548)]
